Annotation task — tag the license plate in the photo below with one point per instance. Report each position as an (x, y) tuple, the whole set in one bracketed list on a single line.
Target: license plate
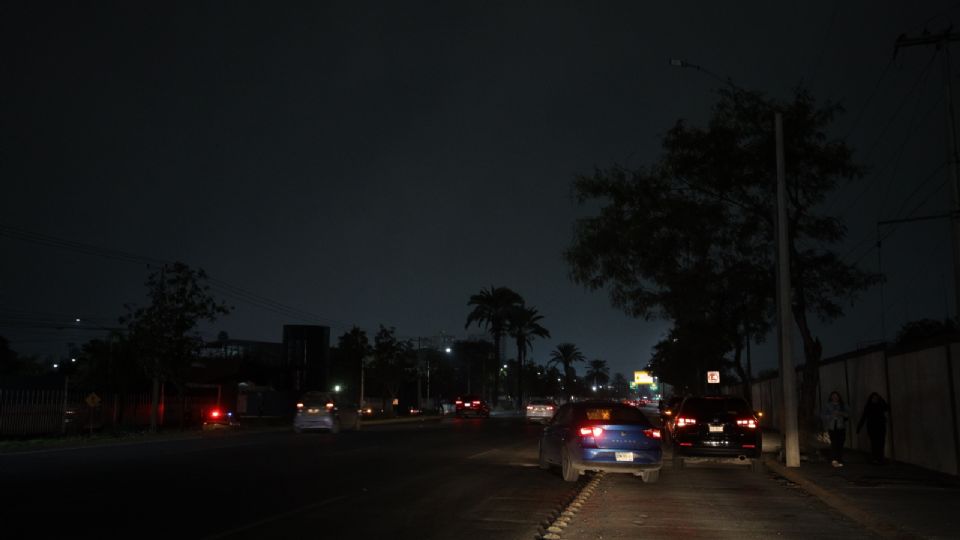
[(716, 429), (624, 456)]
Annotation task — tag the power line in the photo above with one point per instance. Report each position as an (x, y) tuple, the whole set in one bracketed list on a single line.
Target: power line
[(227, 289)]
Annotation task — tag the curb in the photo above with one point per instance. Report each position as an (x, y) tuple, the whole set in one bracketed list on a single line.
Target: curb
[(553, 527), (840, 503)]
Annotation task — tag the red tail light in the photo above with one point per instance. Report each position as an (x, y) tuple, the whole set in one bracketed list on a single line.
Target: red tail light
[(476, 403), (596, 431), (215, 413), (549, 407), (329, 405), (748, 423), (459, 402), (529, 407), (686, 421), (652, 433)]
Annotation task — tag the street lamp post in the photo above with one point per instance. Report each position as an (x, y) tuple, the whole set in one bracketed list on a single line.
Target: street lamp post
[(784, 293)]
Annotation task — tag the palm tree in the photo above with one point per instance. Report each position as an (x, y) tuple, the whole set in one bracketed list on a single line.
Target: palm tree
[(524, 326), (565, 355), (491, 311), (599, 372)]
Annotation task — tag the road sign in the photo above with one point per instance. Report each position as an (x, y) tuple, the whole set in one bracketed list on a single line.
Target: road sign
[(713, 377), (92, 400)]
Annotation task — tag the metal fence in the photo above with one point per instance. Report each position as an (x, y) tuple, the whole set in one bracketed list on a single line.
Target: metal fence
[(41, 412)]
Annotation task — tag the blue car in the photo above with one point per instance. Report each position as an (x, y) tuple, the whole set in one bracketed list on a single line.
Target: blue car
[(601, 436)]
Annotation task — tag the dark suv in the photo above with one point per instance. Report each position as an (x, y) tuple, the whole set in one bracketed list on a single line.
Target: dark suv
[(716, 426), (472, 406)]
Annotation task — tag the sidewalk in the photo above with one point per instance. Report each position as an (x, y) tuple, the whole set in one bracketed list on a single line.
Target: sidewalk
[(895, 500)]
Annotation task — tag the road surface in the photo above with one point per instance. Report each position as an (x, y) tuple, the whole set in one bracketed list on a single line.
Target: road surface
[(464, 479)]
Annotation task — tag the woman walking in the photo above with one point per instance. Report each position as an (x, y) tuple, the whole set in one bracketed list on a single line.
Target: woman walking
[(875, 417), (835, 421)]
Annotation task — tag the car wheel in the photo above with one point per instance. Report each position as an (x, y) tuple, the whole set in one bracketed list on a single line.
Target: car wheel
[(650, 477), (570, 473), (335, 428), (542, 459)]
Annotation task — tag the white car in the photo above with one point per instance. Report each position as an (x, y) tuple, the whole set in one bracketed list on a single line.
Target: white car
[(540, 410), (322, 411)]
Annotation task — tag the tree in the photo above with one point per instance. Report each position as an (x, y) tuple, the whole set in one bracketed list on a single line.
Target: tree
[(352, 347), (393, 363), (621, 386), (691, 237), (524, 326), (598, 371), (164, 333), (491, 310), (564, 356), (923, 330)]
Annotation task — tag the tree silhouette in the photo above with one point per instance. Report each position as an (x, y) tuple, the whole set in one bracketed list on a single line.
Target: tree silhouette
[(524, 326), (491, 311), (564, 356)]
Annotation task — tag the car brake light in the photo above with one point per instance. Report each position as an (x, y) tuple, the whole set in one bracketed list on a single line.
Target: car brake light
[(529, 407), (329, 405), (299, 405), (652, 433), (549, 407), (596, 431), (476, 402), (459, 402), (684, 421), (215, 413), (749, 423)]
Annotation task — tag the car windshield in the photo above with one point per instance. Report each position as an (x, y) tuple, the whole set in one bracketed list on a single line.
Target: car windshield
[(612, 414), (541, 402), (715, 406)]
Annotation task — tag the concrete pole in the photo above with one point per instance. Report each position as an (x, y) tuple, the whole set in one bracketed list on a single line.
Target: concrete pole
[(791, 442)]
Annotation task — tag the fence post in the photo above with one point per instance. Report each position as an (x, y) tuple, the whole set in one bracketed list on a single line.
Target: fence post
[(953, 406), (886, 377), (63, 414)]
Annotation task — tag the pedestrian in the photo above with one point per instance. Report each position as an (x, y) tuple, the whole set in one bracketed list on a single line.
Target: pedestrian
[(835, 421), (875, 417)]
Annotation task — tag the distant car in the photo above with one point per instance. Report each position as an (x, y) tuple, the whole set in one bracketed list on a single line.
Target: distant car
[(324, 412), (219, 418), (471, 406), (601, 436), (540, 410), (719, 427)]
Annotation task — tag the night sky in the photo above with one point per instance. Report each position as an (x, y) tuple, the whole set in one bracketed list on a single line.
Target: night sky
[(380, 162)]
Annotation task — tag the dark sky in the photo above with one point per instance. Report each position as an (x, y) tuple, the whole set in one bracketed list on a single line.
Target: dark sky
[(380, 162)]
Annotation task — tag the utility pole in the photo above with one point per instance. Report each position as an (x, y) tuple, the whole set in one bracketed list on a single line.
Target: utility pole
[(791, 443), (942, 42)]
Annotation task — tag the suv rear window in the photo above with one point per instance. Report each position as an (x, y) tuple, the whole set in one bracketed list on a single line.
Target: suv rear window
[(698, 407), (612, 414)]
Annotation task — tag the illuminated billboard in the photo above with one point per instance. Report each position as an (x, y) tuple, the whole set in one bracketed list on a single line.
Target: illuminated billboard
[(642, 377)]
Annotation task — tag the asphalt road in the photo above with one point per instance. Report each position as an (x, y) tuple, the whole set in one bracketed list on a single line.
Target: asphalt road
[(464, 479), (468, 478)]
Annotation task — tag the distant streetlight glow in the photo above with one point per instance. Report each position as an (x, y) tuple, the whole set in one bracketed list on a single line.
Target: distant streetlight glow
[(594, 388), (55, 366), (336, 388), (73, 359), (76, 320), (448, 350)]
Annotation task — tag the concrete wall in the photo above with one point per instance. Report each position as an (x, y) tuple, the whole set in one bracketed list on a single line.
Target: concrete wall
[(922, 388), (869, 372)]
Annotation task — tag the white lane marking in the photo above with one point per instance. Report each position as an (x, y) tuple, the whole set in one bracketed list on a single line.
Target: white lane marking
[(485, 452), (276, 517)]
